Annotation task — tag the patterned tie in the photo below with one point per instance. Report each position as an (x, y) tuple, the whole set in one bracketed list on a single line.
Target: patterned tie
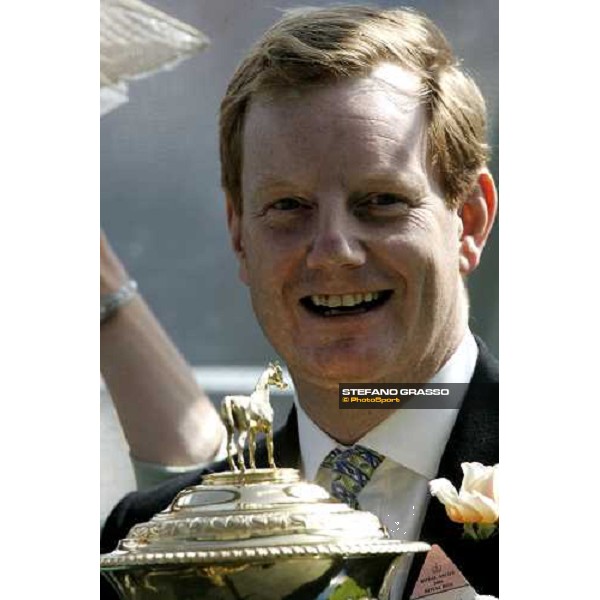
[(350, 470)]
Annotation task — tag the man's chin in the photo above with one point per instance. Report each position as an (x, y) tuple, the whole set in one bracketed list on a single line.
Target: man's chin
[(331, 368)]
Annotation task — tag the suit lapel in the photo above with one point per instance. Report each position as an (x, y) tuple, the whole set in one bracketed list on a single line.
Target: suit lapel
[(474, 438)]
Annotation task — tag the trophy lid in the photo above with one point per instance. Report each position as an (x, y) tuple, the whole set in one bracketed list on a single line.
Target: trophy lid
[(257, 514)]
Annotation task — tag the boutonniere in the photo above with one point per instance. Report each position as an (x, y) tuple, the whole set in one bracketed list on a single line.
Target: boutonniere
[(476, 504)]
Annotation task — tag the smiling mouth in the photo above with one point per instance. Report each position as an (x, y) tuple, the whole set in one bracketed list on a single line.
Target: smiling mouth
[(346, 304)]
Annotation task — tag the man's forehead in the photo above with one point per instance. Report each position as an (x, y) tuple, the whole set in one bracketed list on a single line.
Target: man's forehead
[(370, 128)]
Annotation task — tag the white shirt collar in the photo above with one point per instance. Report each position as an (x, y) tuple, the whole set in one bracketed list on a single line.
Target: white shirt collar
[(414, 438)]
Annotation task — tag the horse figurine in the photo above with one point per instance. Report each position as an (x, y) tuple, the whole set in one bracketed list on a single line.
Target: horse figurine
[(250, 415)]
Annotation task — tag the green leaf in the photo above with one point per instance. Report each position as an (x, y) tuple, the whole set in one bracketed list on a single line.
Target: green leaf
[(479, 531), (486, 530), (349, 590), (469, 531)]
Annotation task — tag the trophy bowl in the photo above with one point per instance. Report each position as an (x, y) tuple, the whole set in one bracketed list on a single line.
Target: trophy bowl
[(262, 534)]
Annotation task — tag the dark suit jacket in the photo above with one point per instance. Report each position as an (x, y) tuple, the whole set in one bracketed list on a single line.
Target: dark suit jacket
[(473, 439)]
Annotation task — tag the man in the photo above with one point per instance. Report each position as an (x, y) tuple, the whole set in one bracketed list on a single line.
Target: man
[(353, 160)]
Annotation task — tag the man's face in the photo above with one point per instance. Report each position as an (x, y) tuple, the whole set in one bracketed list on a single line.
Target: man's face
[(345, 240)]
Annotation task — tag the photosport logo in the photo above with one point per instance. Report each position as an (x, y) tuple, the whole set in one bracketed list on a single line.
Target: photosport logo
[(405, 395)]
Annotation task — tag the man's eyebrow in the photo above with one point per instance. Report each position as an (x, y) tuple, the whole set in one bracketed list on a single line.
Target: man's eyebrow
[(269, 183), (411, 185)]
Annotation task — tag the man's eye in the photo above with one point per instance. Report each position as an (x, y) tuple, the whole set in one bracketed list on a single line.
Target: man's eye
[(381, 206), (384, 200), (286, 204)]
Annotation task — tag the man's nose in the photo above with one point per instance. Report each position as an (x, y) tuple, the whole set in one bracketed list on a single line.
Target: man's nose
[(336, 243)]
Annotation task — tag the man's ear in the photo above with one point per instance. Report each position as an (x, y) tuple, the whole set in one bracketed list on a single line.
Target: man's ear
[(234, 223), (477, 215)]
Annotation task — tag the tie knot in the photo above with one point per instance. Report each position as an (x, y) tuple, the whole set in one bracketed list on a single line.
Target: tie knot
[(351, 470)]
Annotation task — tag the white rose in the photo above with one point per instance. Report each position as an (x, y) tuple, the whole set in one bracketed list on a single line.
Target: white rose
[(477, 500)]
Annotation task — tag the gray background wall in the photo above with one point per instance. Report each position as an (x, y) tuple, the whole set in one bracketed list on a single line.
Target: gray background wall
[(162, 206)]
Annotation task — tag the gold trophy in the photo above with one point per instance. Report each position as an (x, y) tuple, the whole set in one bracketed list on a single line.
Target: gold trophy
[(256, 533)]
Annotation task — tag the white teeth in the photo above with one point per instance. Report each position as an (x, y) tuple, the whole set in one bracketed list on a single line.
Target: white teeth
[(334, 301)]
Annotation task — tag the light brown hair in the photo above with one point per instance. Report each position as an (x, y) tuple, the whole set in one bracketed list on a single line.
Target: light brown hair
[(311, 46)]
